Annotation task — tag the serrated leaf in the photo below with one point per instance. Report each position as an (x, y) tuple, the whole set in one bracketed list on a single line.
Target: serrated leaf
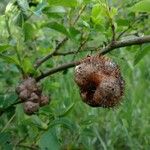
[(141, 54), (58, 27), (66, 3), (142, 6)]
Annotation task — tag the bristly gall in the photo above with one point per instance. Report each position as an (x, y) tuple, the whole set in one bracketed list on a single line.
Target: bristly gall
[(100, 81)]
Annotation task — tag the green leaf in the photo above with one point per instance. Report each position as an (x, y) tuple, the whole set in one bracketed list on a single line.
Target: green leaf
[(85, 24), (55, 9), (19, 19), (73, 33), (65, 122), (38, 122), (49, 140), (123, 22), (9, 99), (29, 31), (67, 111), (23, 5), (58, 27), (97, 15), (4, 47), (39, 8), (27, 65), (96, 11), (142, 6), (86, 1), (66, 3), (113, 12), (141, 54), (8, 59), (5, 141)]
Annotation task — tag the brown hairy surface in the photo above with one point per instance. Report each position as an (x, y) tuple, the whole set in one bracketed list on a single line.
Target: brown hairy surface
[(100, 81), (30, 93)]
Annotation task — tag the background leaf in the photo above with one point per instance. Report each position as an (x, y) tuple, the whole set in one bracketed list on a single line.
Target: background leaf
[(9, 59), (3, 47), (29, 31), (141, 54), (49, 140), (142, 6), (58, 27), (66, 3)]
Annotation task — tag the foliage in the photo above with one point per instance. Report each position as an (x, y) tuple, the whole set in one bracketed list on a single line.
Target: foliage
[(32, 29)]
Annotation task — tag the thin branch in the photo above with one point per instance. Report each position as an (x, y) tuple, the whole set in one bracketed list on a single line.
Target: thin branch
[(8, 123), (42, 60), (86, 49), (124, 31), (108, 48), (65, 53), (113, 32), (124, 43), (129, 27), (57, 69), (79, 14), (81, 46), (73, 52)]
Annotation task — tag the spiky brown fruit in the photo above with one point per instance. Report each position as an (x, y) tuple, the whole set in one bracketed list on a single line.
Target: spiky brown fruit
[(30, 107), (100, 81)]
